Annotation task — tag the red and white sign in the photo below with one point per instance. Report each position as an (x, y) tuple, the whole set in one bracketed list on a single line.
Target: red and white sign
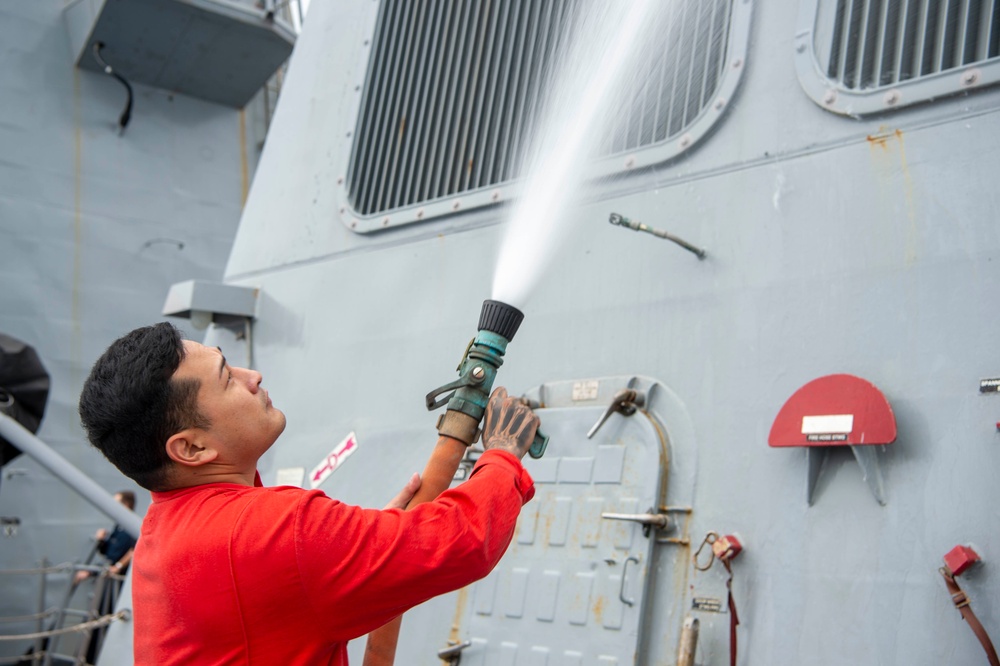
[(331, 462), (835, 410)]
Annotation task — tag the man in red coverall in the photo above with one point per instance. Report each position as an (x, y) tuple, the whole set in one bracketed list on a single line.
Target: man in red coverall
[(229, 572)]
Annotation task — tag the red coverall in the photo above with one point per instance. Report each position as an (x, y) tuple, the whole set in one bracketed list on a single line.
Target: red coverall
[(230, 574)]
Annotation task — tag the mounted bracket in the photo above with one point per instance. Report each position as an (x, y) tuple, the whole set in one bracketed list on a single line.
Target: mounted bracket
[(205, 303)]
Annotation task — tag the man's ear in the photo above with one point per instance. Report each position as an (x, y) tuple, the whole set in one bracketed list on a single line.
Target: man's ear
[(186, 448)]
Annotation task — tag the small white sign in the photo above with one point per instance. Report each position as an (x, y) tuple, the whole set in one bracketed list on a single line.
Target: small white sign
[(290, 476), (331, 462), (830, 423), (586, 390)]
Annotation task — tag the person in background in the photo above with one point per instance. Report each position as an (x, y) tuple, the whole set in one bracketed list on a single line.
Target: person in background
[(118, 546), (227, 571)]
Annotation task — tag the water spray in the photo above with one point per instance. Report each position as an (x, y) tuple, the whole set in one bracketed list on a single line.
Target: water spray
[(498, 322)]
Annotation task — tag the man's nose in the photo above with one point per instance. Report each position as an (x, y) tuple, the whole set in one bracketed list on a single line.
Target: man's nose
[(252, 378)]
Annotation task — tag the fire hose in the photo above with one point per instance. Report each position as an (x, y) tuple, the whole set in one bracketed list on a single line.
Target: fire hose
[(458, 428)]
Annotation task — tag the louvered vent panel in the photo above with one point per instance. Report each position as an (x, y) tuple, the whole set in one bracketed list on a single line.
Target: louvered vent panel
[(453, 90), (879, 43)]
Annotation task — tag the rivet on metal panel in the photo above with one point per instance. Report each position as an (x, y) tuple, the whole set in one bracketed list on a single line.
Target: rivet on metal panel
[(385, 221), (686, 141), (830, 97), (340, 181), (737, 63), (630, 161), (719, 103), (420, 214), (970, 77), (456, 205), (892, 97), (495, 195), (801, 48)]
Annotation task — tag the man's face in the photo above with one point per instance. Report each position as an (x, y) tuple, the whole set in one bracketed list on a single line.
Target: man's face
[(243, 422)]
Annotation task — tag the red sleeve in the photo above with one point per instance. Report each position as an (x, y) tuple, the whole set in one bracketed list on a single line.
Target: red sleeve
[(362, 567)]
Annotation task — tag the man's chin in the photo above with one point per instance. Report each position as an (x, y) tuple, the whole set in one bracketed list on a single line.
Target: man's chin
[(281, 428)]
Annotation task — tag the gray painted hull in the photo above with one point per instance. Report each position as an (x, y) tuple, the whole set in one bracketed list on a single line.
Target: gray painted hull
[(835, 245)]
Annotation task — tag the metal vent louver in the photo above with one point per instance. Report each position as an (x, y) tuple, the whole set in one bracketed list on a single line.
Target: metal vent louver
[(453, 89), (878, 54)]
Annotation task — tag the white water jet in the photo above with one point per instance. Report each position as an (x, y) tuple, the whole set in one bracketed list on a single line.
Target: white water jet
[(593, 70)]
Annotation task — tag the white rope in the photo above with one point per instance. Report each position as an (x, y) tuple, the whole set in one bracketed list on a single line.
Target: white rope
[(24, 618), (79, 628), (59, 567)]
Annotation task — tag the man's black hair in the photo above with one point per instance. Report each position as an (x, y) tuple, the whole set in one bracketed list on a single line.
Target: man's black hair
[(130, 405)]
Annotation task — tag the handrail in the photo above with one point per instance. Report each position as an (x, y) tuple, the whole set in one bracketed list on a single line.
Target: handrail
[(49, 621), (30, 445), (82, 627)]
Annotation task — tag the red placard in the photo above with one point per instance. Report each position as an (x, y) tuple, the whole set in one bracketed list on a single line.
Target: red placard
[(836, 410)]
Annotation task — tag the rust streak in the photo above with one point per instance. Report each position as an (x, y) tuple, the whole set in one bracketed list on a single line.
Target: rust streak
[(456, 625), (878, 140), (881, 139), (598, 609), (909, 193), (682, 570), (664, 455)]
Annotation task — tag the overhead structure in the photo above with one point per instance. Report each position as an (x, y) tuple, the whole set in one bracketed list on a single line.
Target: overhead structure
[(220, 51)]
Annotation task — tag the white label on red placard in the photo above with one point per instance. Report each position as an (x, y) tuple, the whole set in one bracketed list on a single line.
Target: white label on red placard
[(830, 423)]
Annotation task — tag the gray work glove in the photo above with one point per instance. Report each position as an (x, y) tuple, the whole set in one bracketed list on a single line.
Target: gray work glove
[(510, 424)]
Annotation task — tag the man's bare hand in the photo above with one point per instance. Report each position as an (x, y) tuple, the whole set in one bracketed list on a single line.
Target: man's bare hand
[(510, 424), (406, 494)]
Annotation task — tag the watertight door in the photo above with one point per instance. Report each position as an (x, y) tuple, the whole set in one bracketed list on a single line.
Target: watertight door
[(571, 589)]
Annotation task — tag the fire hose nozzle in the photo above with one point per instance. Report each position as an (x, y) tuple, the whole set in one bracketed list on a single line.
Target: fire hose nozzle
[(467, 396)]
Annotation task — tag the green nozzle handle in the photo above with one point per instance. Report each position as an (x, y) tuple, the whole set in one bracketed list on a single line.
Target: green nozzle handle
[(537, 449)]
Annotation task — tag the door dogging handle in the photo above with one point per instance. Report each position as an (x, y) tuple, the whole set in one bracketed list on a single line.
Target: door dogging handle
[(453, 653), (658, 520), (624, 402)]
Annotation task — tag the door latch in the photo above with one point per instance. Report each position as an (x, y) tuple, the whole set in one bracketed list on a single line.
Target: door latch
[(625, 402), (659, 520), (453, 653)]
